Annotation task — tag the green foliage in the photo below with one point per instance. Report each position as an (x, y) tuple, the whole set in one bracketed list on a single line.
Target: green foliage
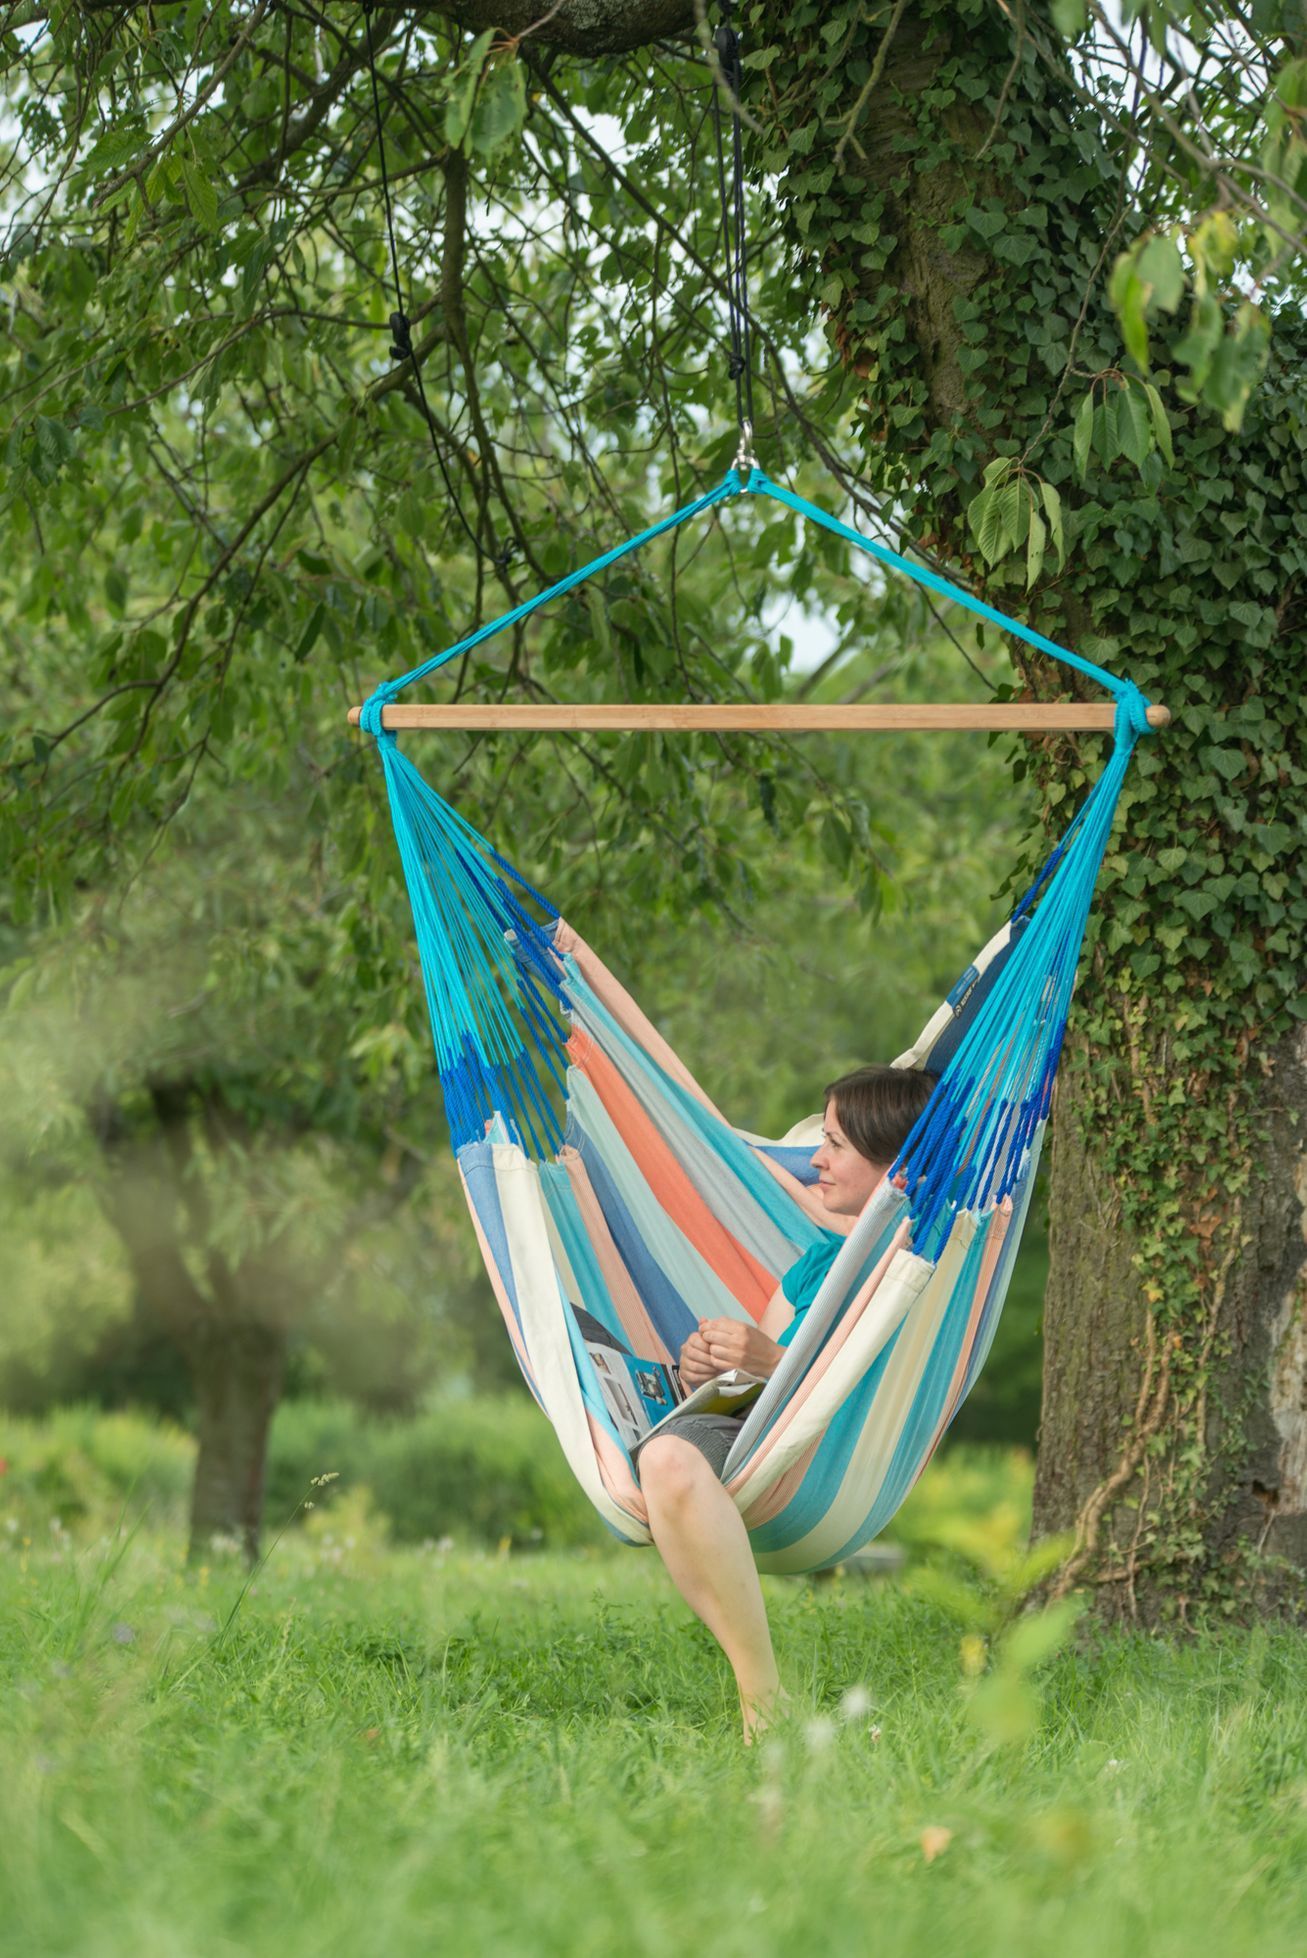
[(82, 1470), (1234, 164), (479, 1470)]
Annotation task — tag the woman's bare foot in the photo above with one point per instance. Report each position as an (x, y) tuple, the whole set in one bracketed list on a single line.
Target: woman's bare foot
[(759, 1710)]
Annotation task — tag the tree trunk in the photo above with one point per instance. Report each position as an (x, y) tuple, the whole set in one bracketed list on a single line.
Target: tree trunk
[(238, 1372), (1137, 1414)]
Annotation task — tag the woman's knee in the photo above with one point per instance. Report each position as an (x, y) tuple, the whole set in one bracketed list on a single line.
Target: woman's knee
[(673, 1470)]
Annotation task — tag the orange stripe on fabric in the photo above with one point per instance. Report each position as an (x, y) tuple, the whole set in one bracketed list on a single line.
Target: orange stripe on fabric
[(624, 1010), (641, 1333), (748, 1282), (616, 1474)]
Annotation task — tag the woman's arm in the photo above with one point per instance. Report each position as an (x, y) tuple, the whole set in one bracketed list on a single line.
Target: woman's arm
[(778, 1314)]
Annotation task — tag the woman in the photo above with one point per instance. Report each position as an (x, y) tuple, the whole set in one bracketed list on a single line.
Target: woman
[(694, 1522)]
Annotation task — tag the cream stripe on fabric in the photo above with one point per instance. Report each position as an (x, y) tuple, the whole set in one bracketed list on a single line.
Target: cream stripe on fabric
[(781, 1492), (884, 1210), (690, 1272), (1000, 1224), (544, 1327), (569, 943), (893, 1300), (562, 1263), (885, 1420), (641, 1333)]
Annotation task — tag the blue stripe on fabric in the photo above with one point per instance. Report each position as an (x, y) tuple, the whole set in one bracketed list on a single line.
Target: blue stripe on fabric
[(797, 1161), (829, 1466), (672, 1318), (476, 1160)]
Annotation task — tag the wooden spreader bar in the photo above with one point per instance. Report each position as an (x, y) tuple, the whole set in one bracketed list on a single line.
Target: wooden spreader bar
[(646, 717)]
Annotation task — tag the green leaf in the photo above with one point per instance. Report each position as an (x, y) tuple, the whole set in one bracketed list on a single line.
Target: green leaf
[(1053, 511), (309, 634), (500, 106), (1107, 436), (1228, 762), (202, 196), (986, 521), (1161, 424), (1035, 543), (1161, 270), (1128, 296), (1134, 425), (458, 109), (1069, 17), (1013, 513), (1084, 433)]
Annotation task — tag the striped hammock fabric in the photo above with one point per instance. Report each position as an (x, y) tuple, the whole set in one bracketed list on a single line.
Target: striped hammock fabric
[(601, 1178)]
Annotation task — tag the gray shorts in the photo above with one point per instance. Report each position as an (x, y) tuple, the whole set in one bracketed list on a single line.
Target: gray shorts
[(712, 1434)]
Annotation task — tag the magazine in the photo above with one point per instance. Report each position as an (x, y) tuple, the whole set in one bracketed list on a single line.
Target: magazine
[(637, 1393), (641, 1394)]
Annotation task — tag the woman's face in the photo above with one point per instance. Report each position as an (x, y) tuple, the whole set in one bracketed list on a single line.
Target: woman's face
[(844, 1178)]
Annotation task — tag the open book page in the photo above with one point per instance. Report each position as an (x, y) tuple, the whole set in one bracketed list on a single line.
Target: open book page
[(733, 1392), (636, 1392)]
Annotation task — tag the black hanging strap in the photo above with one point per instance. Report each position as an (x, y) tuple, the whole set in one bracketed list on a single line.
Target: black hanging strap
[(401, 332), (726, 43)]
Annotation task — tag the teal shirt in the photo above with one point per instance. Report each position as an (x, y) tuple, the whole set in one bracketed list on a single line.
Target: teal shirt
[(802, 1282)]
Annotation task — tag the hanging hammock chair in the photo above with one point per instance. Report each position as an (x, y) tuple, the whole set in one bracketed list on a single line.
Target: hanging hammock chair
[(602, 1180)]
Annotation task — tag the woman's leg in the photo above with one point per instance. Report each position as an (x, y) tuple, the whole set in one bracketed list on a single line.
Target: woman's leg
[(705, 1546)]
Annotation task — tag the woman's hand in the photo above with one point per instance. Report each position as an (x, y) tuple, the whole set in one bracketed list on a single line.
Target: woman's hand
[(720, 1344), (696, 1362)]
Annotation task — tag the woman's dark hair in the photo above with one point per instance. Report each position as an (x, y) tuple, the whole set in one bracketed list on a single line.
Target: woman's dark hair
[(878, 1106)]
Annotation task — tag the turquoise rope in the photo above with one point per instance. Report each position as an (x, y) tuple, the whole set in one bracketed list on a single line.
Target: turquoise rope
[(370, 718), (757, 483), (1125, 690)]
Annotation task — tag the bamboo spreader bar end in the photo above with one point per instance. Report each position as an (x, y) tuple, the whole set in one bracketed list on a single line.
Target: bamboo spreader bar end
[(646, 717)]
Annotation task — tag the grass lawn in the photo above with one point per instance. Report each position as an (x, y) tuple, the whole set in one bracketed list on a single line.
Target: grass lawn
[(400, 1751)]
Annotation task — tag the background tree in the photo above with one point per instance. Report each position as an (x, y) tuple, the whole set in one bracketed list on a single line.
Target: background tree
[(196, 269)]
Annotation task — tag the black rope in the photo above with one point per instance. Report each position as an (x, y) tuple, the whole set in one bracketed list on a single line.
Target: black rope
[(726, 43), (401, 330)]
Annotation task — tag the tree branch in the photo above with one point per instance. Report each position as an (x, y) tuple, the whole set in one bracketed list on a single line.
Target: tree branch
[(586, 27)]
